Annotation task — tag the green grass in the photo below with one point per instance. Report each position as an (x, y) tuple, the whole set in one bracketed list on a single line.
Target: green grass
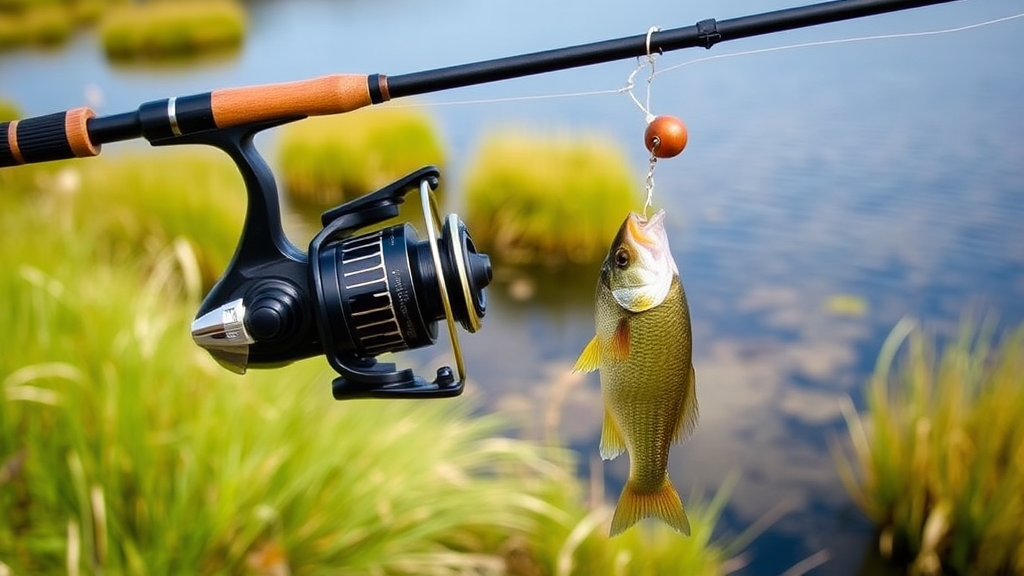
[(8, 111), (540, 200), (325, 161), (125, 449), (939, 454), (570, 538), (136, 204), (172, 30)]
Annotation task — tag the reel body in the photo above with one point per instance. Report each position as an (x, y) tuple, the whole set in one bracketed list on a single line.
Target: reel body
[(357, 293)]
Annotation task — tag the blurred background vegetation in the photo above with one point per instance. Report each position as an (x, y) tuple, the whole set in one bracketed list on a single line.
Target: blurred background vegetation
[(125, 449), (152, 30)]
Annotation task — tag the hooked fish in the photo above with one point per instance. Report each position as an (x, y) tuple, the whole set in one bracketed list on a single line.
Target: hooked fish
[(643, 349)]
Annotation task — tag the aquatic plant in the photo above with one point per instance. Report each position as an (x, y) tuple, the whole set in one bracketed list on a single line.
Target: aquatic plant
[(172, 30), (41, 24), (324, 161), (542, 200), (939, 454)]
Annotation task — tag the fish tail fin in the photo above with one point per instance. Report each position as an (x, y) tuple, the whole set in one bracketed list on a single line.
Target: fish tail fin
[(662, 503)]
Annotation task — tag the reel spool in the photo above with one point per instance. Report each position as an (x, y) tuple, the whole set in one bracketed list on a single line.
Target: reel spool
[(385, 290)]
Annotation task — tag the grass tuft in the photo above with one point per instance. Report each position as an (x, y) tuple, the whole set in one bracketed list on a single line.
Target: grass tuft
[(172, 30), (325, 161), (539, 200), (939, 455)]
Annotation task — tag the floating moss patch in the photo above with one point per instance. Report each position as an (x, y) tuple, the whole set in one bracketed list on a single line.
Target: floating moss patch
[(327, 160), (543, 200), (172, 30)]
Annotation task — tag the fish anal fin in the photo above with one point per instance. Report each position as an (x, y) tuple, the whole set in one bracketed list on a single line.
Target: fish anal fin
[(612, 443), (590, 358), (620, 341), (662, 503), (688, 412)]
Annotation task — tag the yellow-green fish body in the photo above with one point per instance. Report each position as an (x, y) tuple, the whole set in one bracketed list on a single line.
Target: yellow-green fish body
[(643, 350)]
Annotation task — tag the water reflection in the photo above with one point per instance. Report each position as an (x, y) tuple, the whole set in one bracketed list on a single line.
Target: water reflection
[(892, 171)]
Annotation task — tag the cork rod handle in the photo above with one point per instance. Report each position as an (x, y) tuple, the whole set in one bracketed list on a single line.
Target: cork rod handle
[(332, 94)]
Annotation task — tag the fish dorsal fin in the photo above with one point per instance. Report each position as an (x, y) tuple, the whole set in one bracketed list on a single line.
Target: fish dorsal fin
[(612, 443), (590, 358), (620, 340), (688, 412)]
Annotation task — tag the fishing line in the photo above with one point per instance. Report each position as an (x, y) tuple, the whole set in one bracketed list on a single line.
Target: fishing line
[(844, 41), (630, 82), (648, 115)]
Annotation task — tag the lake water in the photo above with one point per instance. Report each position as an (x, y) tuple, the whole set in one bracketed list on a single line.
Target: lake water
[(890, 170)]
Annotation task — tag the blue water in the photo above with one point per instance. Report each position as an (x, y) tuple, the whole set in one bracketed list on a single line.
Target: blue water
[(892, 170)]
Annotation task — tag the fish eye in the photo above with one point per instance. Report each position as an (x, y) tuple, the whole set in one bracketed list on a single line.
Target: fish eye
[(622, 257)]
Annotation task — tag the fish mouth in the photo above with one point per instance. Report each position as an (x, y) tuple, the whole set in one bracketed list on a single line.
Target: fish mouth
[(639, 228)]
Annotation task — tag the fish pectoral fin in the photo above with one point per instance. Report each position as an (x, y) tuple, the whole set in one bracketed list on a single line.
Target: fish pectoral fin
[(590, 358), (612, 443), (620, 341), (688, 413)]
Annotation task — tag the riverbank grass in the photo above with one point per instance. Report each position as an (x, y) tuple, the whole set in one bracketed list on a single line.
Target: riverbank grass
[(156, 31), (327, 160), (548, 200), (938, 458), (124, 448)]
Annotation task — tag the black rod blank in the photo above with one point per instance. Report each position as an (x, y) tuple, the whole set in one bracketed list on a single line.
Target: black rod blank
[(703, 34)]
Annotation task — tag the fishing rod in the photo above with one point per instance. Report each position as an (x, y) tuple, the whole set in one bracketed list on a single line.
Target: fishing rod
[(354, 297)]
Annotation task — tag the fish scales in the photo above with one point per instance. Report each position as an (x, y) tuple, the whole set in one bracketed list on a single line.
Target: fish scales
[(645, 409), (643, 348)]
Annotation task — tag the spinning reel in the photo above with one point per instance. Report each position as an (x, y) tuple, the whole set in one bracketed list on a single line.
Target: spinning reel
[(358, 293)]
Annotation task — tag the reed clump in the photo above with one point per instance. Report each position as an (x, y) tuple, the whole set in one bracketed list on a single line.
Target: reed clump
[(938, 457), (40, 24), (165, 30), (541, 200), (327, 160)]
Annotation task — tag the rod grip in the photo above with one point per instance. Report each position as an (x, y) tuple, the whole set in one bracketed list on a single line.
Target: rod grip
[(333, 94), (54, 136)]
